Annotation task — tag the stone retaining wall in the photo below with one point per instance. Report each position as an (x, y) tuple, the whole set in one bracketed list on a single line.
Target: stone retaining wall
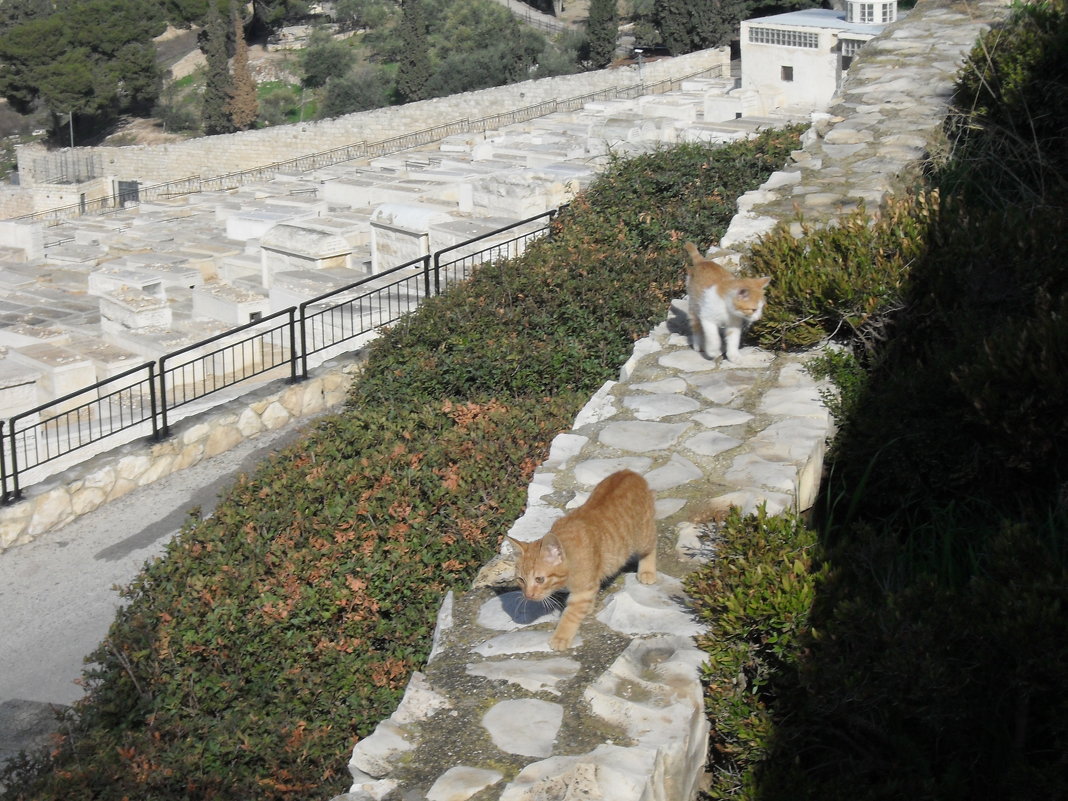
[(220, 155), (110, 475)]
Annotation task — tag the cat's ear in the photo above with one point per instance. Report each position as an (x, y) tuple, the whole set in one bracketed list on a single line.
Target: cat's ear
[(764, 281), (551, 549), (517, 544)]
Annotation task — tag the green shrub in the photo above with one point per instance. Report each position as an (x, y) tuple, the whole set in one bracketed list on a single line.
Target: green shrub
[(756, 596), (846, 282), (1008, 132)]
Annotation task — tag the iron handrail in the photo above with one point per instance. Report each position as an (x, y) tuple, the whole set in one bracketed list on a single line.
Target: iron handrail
[(160, 399), (83, 411)]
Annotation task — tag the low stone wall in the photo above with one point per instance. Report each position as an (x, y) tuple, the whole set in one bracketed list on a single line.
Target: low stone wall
[(220, 155), (15, 201), (89, 485), (495, 714)]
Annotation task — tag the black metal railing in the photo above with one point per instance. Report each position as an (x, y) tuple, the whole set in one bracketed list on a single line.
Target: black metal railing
[(76, 421), (275, 347)]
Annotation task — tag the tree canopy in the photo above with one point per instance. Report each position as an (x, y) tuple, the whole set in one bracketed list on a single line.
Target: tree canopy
[(688, 25), (95, 58)]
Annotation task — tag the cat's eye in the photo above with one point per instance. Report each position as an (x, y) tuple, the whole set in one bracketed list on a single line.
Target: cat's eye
[(540, 579)]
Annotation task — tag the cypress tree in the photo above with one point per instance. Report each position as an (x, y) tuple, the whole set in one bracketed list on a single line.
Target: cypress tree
[(602, 30), (215, 113), (413, 68), (244, 107)]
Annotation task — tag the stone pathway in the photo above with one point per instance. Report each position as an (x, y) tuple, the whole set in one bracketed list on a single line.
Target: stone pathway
[(495, 706)]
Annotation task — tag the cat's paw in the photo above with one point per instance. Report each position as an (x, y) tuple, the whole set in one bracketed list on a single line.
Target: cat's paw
[(647, 576), (560, 642)]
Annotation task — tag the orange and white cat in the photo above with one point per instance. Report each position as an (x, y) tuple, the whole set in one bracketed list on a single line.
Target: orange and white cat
[(587, 546), (720, 302)]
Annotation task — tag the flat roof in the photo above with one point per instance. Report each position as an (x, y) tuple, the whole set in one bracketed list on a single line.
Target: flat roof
[(819, 18)]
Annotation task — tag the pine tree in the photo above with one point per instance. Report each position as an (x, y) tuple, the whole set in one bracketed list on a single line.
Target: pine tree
[(217, 83), (602, 30), (413, 69), (244, 107)]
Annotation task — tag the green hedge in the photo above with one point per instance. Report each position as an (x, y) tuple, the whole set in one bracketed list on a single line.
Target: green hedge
[(272, 635)]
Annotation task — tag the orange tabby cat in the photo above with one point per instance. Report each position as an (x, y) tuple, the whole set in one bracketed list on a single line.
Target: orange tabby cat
[(718, 301), (588, 545)]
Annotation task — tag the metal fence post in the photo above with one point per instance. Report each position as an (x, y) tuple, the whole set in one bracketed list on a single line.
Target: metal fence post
[(164, 429), (16, 493), (152, 402), (293, 355), (304, 340), (3, 466)]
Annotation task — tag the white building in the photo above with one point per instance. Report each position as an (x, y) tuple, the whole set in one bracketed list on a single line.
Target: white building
[(795, 61)]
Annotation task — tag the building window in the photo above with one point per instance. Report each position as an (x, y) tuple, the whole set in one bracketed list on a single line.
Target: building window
[(787, 73), (784, 37), (862, 12), (889, 12), (849, 47)]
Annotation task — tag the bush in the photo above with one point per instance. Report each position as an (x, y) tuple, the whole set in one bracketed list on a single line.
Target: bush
[(360, 90), (846, 282), (756, 596)]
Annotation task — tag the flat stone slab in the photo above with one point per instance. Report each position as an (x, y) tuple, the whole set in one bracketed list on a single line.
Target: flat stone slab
[(606, 772), (638, 436), (656, 407), (749, 470), (527, 727), (462, 782), (722, 417), (678, 471), (711, 443), (592, 471), (643, 609), (533, 675), (514, 642)]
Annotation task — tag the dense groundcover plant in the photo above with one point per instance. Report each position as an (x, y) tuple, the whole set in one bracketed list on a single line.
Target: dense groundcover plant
[(273, 634), (932, 659)]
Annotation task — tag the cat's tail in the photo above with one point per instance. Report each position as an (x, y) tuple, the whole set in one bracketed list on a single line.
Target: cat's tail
[(695, 254)]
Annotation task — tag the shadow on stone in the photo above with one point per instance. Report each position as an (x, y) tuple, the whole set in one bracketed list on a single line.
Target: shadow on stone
[(525, 612)]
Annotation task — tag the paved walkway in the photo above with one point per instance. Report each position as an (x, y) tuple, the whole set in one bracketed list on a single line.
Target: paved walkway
[(706, 436)]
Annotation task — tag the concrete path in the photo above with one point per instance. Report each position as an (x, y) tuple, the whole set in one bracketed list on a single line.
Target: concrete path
[(58, 593)]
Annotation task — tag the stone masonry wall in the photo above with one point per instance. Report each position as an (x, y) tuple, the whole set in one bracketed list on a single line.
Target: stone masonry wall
[(495, 714), (110, 475), (220, 155)]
